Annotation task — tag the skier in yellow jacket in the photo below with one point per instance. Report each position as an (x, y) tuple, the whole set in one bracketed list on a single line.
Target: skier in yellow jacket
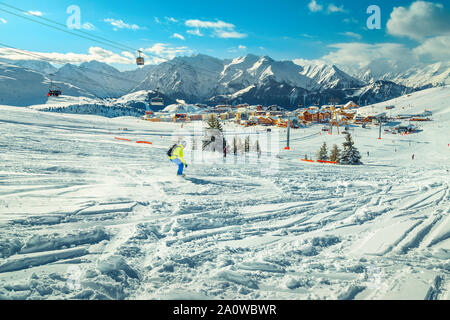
[(176, 156)]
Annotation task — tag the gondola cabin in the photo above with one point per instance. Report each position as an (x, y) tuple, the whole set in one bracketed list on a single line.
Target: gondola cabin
[(157, 101), (140, 61)]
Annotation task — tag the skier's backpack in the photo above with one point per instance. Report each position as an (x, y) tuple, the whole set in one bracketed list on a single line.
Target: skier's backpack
[(169, 153)]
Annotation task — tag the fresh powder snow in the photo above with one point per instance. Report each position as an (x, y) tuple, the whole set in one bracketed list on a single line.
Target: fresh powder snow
[(86, 216)]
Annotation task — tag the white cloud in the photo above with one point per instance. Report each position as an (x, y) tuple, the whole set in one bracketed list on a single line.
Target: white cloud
[(351, 34), (170, 19), (314, 6), (95, 53), (230, 34), (237, 49), (434, 49), (35, 13), (194, 23), (419, 21), (166, 20), (88, 26), (165, 51), (160, 52), (128, 55), (358, 55), (305, 62), (3, 21), (120, 24), (195, 32), (332, 8), (157, 48), (350, 20), (305, 35), (178, 36), (221, 29), (155, 60)]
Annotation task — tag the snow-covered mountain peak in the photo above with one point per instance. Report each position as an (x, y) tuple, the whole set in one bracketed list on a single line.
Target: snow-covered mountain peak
[(257, 79), (67, 67), (329, 76), (244, 62), (99, 66), (40, 66)]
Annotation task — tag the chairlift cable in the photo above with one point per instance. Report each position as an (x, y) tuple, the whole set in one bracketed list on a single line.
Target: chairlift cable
[(63, 25), (63, 30), (66, 79), (61, 62), (88, 36)]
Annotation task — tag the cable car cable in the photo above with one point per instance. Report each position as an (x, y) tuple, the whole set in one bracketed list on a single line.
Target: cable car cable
[(97, 84), (65, 26), (61, 62), (89, 36), (63, 30)]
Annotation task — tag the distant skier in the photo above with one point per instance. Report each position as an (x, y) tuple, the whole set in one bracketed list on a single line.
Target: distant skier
[(175, 154), (413, 156)]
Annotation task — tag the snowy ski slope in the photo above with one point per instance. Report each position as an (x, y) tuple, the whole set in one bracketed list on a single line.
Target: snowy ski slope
[(86, 216)]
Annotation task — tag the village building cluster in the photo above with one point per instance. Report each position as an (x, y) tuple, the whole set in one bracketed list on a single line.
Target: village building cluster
[(252, 115)]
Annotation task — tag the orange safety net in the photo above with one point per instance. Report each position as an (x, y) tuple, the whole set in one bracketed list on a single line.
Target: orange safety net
[(122, 139)]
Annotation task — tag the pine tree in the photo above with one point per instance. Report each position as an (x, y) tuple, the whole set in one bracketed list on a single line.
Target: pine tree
[(335, 153), (240, 146), (194, 143), (247, 144), (350, 155), (258, 148), (323, 153), (214, 123), (224, 147)]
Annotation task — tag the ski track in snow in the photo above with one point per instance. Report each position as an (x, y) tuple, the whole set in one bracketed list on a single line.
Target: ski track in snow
[(83, 216)]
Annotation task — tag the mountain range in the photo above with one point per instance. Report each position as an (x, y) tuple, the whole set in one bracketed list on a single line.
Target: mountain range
[(204, 79)]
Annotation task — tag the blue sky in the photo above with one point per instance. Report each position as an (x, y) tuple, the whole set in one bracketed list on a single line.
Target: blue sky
[(285, 29)]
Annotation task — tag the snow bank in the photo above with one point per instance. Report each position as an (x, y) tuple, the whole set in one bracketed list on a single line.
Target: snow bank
[(40, 243), (235, 277), (8, 247), (27, 261), (113, 264)]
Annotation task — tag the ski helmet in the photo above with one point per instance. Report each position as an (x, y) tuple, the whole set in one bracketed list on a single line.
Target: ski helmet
[(183, 143)]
